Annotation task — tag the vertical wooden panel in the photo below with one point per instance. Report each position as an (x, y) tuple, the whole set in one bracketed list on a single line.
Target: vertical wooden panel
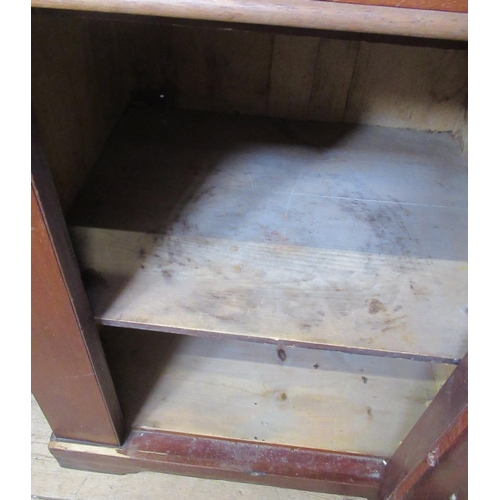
[(239, 64), (408, 87), (54, 104), (461, 131), (332, 79), (77, 94), (449, 479), (188, 67), (441, 428), (110, 94), (292, 73), (142, 54), (69, 375), (220, 70)]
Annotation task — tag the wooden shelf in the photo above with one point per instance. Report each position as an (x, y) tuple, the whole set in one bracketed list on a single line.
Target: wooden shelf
[(445, 23), (351, 238), (260, 393)]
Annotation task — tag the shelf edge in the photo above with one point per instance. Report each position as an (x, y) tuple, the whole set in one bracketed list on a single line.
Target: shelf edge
[(292, 13)]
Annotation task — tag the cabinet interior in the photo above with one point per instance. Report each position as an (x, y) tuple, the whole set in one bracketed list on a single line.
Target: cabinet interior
[(271, 227)]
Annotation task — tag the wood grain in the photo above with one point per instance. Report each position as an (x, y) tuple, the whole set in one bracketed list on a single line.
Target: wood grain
[(70, 378), (292, 73), (77, 94), (204, 457), (280, 232), (297, 77), (442, 429), (449, 478), (50, 480), (232, 66), (99, 63), (294, 13), (332, 79), (53, 103), (408, 87), (444, 5), (265, 393)]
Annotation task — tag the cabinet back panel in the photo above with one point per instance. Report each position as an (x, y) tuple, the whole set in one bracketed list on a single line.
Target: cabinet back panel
[(84, 70)]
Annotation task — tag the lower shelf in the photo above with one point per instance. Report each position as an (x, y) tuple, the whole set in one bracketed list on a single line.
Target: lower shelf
[(262, 393)]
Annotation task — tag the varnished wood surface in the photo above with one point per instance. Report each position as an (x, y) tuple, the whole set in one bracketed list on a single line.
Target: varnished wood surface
[(444, 5), (69, 375), (219, 459), (440, 434), (449, 477), (295, 13), (51, 481), (341, 238), (266, 393)]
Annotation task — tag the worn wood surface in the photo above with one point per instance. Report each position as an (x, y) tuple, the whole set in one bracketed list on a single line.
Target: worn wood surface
[(341, 238), (69, 375), (408, 87), (450, 478), (295, 13), (332, 79), (84, 71), (297, 77), (227, 460), (51, 481), (445, 5), (440, 434), (266, 393), (77, 94), (292, 74)]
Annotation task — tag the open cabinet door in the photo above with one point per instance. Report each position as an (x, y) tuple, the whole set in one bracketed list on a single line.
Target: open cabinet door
[(431, 462)]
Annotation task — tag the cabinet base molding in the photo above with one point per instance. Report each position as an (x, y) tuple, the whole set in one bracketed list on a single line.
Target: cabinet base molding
[(231, 460)]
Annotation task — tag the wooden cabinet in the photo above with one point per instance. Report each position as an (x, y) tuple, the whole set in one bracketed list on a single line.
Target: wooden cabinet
[(249, 251)]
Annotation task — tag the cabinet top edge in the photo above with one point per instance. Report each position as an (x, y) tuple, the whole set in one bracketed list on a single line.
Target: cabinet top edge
[(313, 14)]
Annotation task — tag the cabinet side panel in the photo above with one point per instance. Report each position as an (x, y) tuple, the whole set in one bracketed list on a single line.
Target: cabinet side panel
[(431, 455), (77, 94), (70, 377)]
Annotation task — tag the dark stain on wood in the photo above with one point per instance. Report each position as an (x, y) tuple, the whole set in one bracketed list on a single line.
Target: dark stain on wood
[(376, 306)]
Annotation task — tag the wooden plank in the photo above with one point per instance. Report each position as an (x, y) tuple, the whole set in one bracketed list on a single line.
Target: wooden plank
[(442, 429), (294, 13), (450, 478), (229, 70), (49, 480), (76, 94), (276, 293), (292, 73), (408, 87), (444, 5), (267, 394), (69, 375), (300, 469), (240, 64), (54, 104), (221, 70), (297, 233), (332, 79)]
